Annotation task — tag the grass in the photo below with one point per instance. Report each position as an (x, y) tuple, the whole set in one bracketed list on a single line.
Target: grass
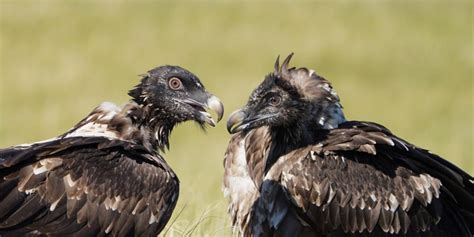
[(406, 65)]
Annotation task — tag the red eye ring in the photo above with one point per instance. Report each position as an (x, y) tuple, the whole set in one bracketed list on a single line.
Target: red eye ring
[(175, 83), (275, 100)]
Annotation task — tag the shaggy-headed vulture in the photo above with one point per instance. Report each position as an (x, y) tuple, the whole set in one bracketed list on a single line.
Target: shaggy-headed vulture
[(296, 167), (105, 176)]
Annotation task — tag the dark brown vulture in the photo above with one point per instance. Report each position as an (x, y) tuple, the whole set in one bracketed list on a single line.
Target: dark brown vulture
[(105, 176), (296, 167)]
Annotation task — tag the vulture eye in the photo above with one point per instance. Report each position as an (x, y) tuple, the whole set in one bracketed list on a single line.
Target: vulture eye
[(274, 100), (175, 83)]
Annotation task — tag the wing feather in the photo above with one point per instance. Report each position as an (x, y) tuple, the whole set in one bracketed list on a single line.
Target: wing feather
[(364, 179), (85, 185)]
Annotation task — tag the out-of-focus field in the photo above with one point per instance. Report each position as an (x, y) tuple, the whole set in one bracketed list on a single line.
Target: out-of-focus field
[(408, 66)]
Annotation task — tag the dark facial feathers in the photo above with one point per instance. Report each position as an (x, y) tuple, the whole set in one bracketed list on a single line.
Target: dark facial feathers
[(287, 96), (170, 95), (153, 77)]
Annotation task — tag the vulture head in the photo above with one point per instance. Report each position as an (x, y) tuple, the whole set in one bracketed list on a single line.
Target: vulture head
[(167, 96), (289, 98), (172, 94)]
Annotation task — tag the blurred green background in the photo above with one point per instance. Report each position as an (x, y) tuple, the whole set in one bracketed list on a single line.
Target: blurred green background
[(408, 66)]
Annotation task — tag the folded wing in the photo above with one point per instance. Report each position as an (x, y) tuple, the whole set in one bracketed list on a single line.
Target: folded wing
[(363, 179), (85, 185)]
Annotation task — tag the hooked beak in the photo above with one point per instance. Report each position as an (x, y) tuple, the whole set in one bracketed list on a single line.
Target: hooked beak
[(213, 103), (239, 120), (235, 123)]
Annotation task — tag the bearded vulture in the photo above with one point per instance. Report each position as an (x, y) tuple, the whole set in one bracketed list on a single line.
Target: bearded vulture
[(296, 167), (105, 176)]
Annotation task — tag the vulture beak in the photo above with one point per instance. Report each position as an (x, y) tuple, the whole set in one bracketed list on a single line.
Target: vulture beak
[(240, 120), (215, 105), (236, 122), (212, 103)]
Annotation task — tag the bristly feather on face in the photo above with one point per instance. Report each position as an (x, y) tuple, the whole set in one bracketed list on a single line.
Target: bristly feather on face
[(295, 98)]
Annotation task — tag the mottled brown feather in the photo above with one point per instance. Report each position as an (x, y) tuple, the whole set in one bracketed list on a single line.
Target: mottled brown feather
[(93, 198), (374, 190)]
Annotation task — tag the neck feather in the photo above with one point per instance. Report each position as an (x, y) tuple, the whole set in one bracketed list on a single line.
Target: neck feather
[(155, 124), (131, 122), (304, 132)]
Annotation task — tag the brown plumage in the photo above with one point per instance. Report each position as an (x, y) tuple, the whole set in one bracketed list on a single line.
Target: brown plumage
[(296, 167), (105, 176)]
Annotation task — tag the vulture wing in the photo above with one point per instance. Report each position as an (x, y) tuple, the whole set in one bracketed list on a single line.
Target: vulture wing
[(363, 179), (89, 186)]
